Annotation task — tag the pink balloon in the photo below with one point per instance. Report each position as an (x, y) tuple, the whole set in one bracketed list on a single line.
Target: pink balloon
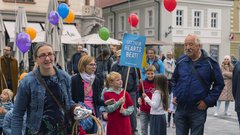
[(170, 5), (133, 20)]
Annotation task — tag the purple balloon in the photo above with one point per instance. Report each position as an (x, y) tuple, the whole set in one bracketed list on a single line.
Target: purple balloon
[(23, 42), (53, 17)]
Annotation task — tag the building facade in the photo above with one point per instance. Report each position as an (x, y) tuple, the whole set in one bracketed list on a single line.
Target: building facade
[(209, 19), (235, 29), (88, 19)]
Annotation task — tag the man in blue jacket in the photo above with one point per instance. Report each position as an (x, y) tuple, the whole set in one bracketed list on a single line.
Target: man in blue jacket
[(198, 82)]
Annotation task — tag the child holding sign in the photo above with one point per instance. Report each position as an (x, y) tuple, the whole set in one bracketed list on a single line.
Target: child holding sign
[(148, 87), (118, 112)]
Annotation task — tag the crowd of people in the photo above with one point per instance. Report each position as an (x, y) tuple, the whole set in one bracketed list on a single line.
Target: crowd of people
[(183, 89)]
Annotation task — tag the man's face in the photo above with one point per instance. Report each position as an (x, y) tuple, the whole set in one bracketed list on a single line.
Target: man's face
[(150, 54), (79, 48), (191, 48), (7, 51)]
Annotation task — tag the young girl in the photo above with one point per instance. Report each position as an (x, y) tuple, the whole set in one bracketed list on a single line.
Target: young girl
[(149, 88), (6, 105), (159, 104), (119, 111)]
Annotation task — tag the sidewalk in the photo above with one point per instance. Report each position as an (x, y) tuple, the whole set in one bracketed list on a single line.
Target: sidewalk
[(216, 125)]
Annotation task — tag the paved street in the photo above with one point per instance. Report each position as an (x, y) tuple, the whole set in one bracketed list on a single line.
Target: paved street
[(220, 125)]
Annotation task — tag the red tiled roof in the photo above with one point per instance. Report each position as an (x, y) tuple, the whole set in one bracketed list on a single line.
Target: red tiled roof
[(106, 3)]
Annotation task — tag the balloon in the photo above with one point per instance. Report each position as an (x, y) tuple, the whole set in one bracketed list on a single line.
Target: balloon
[(63, 10), (53, 17), (133, 20), (170, 5), (70, 18), (104, 33), (23, 42), (31, 32), (22, 75)]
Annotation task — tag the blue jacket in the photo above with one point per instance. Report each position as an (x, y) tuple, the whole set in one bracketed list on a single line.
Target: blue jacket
[(30, 98), (189, 90)]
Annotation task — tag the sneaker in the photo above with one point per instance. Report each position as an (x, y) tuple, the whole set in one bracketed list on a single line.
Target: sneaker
[(135, 133), (215, 114), (227, 114), (168, 124)]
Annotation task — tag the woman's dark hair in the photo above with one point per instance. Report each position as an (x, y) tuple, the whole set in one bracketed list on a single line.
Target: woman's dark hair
[(161, 84), (104, 52)]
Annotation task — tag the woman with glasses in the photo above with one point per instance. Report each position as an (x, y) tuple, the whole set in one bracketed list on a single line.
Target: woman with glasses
[(44, 94), (86, 87)]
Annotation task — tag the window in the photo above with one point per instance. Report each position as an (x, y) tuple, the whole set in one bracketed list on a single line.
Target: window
[(214, 20), (122, 21), (214, 51), (179, 18), (63, 1), (111, 24), (149, 15), (150, 18), (197, 18), (19, 1)]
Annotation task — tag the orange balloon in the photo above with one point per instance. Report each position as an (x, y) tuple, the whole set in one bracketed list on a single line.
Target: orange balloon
[(31, 32), (22, 75), (70, 18)]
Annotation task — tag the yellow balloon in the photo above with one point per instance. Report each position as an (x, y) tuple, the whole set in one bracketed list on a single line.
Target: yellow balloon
[(70, 18), (22, 75), (31, 32)]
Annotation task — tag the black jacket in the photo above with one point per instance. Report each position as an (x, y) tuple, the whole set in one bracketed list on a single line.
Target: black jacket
[(78, 91)]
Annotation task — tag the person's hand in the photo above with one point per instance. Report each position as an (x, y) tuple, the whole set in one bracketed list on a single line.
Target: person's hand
[(144, 95), (140, 101), (110, 101), (105, 115), (122, 100), (174, 101), (122, 109), (2, 110), (202, 105)]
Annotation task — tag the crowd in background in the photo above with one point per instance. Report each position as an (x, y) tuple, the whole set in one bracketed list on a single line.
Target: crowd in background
[(182, 89)]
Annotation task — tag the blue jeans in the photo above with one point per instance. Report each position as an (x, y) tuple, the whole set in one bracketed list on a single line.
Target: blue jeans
[(144, 120), (193, 120)]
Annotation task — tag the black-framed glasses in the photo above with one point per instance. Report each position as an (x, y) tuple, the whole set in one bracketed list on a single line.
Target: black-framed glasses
[(44, 56)]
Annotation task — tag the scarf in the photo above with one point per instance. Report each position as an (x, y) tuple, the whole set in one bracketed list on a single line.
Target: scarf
[(87, 77)]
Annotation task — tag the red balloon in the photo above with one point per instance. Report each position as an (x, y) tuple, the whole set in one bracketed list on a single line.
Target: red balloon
[(133, 20), (170, 5)]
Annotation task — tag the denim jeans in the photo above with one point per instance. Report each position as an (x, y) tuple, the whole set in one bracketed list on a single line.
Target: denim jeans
[(193, 120), (144, 120)]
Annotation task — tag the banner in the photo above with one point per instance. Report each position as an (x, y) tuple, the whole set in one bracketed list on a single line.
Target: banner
[(132, 50)]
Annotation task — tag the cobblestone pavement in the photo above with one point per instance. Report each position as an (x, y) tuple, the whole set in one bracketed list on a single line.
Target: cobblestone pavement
[(216, 125)]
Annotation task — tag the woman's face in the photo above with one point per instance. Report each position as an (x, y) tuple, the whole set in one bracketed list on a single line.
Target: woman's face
[(45, 58), (226, 61), (91, 67)]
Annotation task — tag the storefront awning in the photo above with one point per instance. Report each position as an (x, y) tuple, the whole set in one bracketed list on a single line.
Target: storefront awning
[(10, 27), (71, 35)]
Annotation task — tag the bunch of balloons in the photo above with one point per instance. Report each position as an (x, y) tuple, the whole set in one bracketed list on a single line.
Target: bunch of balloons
[(24, 39), (62, 11)]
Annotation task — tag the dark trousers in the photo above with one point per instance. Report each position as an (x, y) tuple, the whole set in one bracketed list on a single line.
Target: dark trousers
[(133, 116), (193, 120)]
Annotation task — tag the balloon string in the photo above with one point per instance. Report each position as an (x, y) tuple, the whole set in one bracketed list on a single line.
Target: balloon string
[(130, 18)]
